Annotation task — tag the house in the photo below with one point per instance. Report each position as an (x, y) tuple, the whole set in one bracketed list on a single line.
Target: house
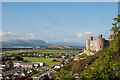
[(3, 65), (1, 76), (63, 56), (62, 64), (16, 63), (35, 64), (22, 74), (42, 64), (38, 64), (26, 65), (22, 64), (57, 67)]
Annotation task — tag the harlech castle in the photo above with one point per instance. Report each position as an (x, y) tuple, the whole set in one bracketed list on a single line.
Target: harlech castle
[(98, 44)]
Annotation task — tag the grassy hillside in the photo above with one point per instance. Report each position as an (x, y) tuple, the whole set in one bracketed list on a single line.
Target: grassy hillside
[(107, 66), (103, 65)]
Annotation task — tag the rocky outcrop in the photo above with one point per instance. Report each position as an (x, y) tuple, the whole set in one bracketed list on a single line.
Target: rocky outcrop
[(89, 53)]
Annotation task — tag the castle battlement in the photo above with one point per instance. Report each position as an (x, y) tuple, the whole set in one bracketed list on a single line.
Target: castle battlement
[(98, 44)]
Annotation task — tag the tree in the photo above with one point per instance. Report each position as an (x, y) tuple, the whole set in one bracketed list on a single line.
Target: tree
[(18, 58), (116, 27), (115, 44)]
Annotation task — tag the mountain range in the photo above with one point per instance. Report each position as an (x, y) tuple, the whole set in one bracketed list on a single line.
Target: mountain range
[(25, 43), (36, 43)]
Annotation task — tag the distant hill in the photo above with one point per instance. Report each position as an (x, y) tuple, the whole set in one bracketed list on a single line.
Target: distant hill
[(25, 43), (59, 47), (38, 43), (68, 44)]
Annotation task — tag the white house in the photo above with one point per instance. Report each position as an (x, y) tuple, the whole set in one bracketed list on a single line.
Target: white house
[(38, 64), (1, 76), (57, 67), (22, 74), (63, 56), (42, 64)]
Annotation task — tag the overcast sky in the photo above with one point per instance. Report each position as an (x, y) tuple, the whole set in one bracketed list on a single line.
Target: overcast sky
[(57, 21)]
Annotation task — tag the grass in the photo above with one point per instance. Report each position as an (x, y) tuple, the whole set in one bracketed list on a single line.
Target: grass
[(42, 51), (92, 51), (83, 56), (47, 61)]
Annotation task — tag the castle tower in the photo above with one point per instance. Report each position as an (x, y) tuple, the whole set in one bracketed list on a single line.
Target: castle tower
[(88, 44), (91, 38), (100, 43)]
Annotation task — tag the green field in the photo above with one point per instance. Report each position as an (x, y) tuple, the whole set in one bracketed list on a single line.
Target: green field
[(47, 61), (42, 51)]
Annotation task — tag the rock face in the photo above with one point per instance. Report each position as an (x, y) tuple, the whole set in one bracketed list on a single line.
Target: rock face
[(98, 44), (89, 53)]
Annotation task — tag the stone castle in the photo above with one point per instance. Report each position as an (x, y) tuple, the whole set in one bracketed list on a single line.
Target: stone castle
[(98, 44)]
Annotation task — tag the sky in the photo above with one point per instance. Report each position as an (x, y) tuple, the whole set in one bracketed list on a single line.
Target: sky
[(59, 0), (57, 21)]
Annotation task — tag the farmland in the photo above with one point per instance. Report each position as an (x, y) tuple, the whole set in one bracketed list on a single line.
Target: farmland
[(48, 61), (43, 51)]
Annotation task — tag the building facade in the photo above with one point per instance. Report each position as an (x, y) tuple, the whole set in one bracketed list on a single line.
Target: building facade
[(98, 44)]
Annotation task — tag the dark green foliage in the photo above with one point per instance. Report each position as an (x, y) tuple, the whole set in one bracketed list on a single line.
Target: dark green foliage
[(105, 67), (6, 59), (83, 56), (18, 58), (65, 74)]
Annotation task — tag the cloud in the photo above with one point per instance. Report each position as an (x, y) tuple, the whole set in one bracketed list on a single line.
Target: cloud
[(75, 23), (35, 21), (49, 18), (79, 35), (84, 35), (88, 32), (66, 40), (76, 38), (35, 30), (12, 36), (84, 19), (104, 20), (47, 28), (2, 33), (15, 22), (70, 22)]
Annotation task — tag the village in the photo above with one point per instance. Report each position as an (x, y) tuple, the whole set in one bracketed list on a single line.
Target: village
[(13, 69)]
